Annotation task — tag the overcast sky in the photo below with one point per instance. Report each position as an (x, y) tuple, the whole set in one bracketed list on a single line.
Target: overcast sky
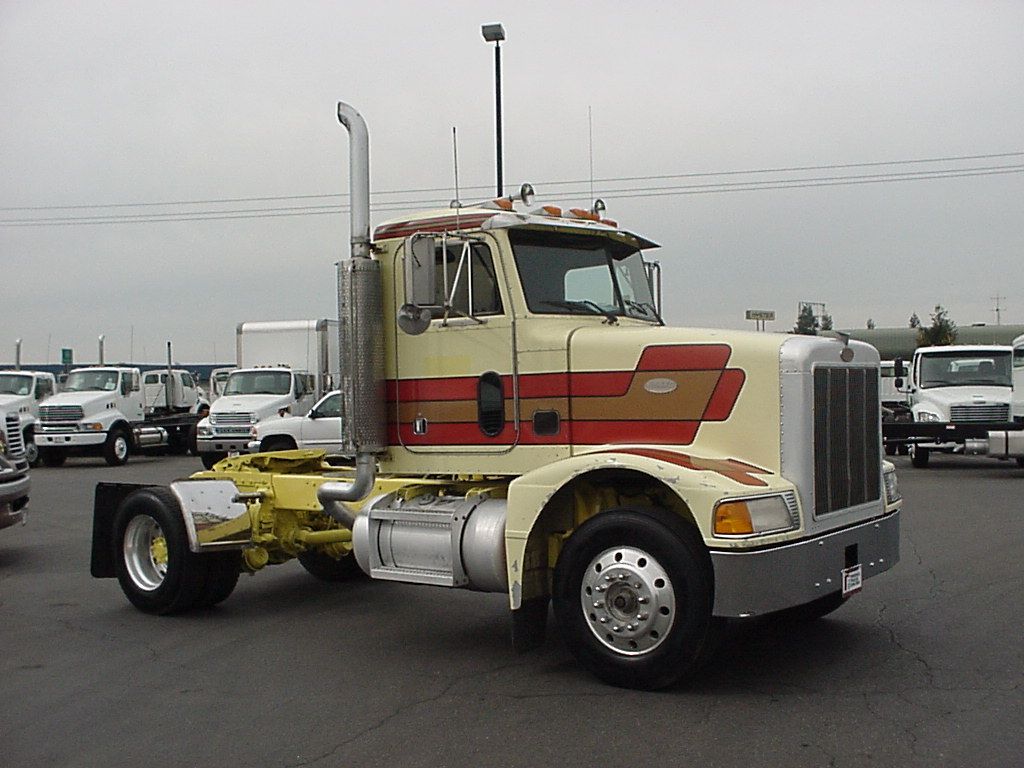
[(184, 103)]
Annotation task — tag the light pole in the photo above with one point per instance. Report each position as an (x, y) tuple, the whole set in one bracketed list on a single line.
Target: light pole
[(495, 33)]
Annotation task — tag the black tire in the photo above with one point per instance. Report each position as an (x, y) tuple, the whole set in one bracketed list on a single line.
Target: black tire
[(1020, 461), (31, 449), (157, 571), (277, 443), (209, 459), (52, 457), (117, 448), (890, 449), (177, 441), (326, 568), (666, 557), (222, 572), (919, 457), (193, 437)]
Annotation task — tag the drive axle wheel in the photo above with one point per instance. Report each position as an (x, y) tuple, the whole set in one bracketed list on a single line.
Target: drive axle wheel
[(157, 571), (633, 592), (918, 456)]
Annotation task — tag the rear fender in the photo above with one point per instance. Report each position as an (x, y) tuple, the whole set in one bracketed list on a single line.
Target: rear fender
[(105, 505)]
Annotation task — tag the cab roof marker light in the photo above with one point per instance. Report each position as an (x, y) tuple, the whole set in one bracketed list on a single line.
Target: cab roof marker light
[(609, 223), (580, 213)]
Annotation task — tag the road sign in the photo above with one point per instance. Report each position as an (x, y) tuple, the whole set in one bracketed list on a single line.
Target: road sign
[(761, 314), (67, 356)]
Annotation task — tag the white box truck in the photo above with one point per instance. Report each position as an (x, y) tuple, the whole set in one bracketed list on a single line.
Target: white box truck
[(284, 366)]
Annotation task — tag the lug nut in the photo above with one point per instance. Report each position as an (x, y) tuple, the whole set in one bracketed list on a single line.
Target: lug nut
[(643, 600), (599, 603)]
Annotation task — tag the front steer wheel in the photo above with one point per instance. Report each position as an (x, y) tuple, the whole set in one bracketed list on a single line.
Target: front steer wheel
[(633, 592), (157, 571), (117, 447)]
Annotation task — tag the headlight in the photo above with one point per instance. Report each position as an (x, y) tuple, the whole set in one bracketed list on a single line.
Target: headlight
[(757, 516), (253, 418), (204, 431), (927, 416), (91, 426), (892, 487), (213, 418)]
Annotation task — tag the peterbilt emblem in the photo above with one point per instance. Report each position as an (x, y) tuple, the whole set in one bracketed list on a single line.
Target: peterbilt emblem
[(661, 386)]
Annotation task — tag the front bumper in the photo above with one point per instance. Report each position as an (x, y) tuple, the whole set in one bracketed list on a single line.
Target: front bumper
[(45, 439), (233, 444), (13, 496), (788, 575)]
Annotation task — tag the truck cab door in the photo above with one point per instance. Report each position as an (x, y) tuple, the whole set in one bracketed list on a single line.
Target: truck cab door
[(131, 404), (456, 387)]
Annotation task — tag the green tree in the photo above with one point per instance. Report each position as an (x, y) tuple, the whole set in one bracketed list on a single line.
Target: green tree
[(915, 321), (826, 322), (871, 324), (806, 322), (941, 332)]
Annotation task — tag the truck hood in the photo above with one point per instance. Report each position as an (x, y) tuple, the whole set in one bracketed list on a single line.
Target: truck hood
[(89, 401), (261, 405), (290, 425), (14, 402), (970, 395)]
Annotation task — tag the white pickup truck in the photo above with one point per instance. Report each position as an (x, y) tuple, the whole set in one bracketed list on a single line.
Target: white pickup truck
[(319, 429)]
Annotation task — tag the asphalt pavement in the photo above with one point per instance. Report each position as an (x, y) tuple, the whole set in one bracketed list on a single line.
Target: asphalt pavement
[(923, 668)]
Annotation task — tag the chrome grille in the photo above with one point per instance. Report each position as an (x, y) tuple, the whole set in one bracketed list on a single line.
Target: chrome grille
[(15, 442), (995, 412), (231, 417), (60, 413), (847, 458)]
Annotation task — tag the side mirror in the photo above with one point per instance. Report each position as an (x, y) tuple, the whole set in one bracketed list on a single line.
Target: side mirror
[(898, 383), (898, 369), (313, 413), (420, 272)]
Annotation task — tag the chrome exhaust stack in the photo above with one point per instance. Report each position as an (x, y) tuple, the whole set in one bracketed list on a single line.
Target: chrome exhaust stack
[(361, 337)]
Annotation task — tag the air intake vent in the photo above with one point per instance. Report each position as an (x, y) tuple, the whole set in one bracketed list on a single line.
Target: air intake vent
[(847, 459)]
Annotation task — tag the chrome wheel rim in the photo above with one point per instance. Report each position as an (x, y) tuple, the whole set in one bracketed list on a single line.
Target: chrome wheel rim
[(120, 447), (31, 452), (145, 553), (628, 601)]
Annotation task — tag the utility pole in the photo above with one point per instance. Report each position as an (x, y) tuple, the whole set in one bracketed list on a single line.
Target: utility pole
[(997, 309)]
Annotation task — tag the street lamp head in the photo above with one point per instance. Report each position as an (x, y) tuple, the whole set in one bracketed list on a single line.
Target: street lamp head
[(493, 33)]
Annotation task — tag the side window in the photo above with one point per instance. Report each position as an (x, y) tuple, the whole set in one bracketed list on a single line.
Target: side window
[(478, 270), (331, 407), (186, 381)]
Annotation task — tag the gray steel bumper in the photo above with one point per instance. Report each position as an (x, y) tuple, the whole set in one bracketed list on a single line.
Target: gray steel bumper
[(768, 580), (13, 493), (238, 444)]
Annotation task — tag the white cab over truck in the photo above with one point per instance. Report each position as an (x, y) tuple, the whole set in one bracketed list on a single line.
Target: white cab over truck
[(283, 368), (957, 395), (21, 392), (105, 411), (14, 475)]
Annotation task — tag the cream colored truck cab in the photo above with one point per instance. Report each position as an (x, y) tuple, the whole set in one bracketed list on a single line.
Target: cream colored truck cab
[(524, 423)]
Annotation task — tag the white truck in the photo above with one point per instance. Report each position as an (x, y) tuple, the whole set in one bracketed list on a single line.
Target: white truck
[(957, 395), (215, 385), (21, 392), (107, 410), (14, 475), (284, 367), (319, 429)]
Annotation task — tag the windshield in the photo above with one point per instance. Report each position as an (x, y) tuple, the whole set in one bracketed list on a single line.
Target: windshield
[(15, 384), (570, 274), (91, 381), (951, 369), (259, 383)]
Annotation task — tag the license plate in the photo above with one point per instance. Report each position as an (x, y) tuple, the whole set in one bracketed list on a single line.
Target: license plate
[(853, 580)]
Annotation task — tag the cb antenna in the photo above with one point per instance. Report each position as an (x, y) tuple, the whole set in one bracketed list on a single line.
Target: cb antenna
[(590, 132), (457, 202)]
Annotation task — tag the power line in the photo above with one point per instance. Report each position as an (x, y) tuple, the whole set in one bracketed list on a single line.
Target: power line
[(609, 180), (624, 193)]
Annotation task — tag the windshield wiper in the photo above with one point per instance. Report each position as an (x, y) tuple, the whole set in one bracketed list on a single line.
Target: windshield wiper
[(594, 307), (645, 307)]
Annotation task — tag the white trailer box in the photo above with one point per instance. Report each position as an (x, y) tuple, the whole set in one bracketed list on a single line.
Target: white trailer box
[(310, 346)]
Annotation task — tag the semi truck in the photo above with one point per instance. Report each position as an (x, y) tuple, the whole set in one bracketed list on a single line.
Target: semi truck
[(21, 392), (957, 395), (109, 411), (283, 367), (523, 422), (15, 482)]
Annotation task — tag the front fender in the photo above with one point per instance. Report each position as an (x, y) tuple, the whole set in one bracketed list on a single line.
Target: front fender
[(699, 482)]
